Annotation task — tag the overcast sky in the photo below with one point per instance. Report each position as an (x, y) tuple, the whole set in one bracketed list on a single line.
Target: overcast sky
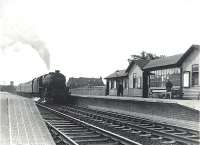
[(90, 38)]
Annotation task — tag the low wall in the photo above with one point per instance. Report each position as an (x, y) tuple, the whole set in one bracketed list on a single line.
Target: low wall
[(135, 92), (94, 90), (113, 92)]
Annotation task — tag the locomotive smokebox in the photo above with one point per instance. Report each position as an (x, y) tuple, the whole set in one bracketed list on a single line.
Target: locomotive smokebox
[(54, 79)]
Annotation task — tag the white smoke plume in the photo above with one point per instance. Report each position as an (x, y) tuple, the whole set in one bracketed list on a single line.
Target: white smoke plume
[(13, 33)]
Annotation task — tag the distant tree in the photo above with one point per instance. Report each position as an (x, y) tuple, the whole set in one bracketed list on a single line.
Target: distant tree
[(145, 55)]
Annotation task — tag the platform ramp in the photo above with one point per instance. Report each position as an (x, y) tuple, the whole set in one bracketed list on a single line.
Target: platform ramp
[(21, 122)]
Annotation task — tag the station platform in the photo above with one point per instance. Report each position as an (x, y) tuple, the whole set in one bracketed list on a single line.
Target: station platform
[(21, 122), (192, 104), (182, 113)]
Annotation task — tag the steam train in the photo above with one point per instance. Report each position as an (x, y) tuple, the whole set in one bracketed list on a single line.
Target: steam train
[(51, 88)]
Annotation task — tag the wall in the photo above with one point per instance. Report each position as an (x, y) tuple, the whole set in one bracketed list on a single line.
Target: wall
[(139, 108), (125, 92), (95, 90), (135, 91), (113, 92), (193, 58)]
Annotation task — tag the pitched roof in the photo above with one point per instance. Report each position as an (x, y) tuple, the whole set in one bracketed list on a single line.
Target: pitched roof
[(117, 74), (82, 82), (140, 62), (175, 60), (163, 62), (192, 48)]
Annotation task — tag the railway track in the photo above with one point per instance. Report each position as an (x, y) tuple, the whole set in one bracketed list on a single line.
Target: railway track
[(134, 128), (71, 131)]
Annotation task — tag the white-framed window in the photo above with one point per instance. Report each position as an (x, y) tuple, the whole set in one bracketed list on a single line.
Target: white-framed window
[(115, 84), (186, 79), (139, 81), (134, 80), (195, 74), (125, 83), (111, 84)]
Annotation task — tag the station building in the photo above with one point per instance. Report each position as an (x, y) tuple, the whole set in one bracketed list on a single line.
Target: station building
[(182, 70), (148, 78), (117, 83), (129, 81)]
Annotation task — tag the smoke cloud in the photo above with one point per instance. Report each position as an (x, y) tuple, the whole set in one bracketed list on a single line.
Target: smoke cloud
[(13, 33)]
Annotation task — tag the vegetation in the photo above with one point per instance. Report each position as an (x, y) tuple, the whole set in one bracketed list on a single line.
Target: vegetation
[(145, 55)]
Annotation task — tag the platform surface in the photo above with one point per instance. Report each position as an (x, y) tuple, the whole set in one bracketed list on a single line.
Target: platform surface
[(192, 104), (21, 122)]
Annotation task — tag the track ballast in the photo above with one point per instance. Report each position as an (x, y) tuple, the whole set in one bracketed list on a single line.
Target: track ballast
[(137, 129), (69, 130)]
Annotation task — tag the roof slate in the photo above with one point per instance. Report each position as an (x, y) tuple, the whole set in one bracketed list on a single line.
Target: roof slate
[(140, 62), (117, 74), (165, 61)]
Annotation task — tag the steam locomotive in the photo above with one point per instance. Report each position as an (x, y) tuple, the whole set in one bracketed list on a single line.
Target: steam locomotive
[(50, 88)]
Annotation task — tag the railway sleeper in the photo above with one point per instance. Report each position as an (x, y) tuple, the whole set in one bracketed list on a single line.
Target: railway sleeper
[(167, 141), (147, 125), (114, 125), (80, 134), (66, 125), (135, 131), (70, 128), (179, 133), (61, 123), (145, 134), (64, 130), (91, 140), (157, 128), (156, 137), (85, 137), (119, 127), (126, 129)]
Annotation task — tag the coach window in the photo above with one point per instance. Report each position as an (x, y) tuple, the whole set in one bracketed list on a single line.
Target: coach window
[(195, 75)]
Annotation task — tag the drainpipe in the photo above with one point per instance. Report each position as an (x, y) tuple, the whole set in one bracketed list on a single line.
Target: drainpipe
[(181, 82)]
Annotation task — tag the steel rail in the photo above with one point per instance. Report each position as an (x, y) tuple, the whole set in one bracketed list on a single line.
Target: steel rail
[(121, 138), (156, 132)]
